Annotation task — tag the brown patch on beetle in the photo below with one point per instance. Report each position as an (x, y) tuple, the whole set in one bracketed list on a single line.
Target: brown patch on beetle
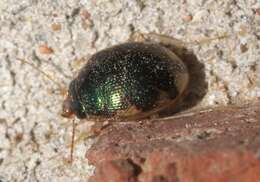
[(163, 103)]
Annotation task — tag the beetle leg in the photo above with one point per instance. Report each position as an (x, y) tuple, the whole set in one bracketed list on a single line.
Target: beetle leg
[(170, 41), (94, 131), (175, 45), (154, 37)]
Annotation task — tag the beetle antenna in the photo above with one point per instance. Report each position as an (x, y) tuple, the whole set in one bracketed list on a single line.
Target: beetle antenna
[(43, 73), (207, 40)]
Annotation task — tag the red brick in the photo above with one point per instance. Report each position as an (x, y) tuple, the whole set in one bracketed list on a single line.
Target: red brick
[(214, 145)]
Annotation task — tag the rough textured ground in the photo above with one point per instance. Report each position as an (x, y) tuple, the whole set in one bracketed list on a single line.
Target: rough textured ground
[(56, 36)]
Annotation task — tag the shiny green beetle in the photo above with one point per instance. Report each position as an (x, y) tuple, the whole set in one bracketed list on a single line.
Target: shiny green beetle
[(127, 81)]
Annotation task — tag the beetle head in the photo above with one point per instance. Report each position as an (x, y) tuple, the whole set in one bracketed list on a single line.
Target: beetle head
[(67, 109)]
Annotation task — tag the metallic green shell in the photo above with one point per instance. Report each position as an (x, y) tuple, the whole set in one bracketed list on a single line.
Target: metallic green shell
[(130, 74)]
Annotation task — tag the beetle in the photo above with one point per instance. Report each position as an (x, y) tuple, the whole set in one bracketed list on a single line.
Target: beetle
[(129, 81), (126, 82)]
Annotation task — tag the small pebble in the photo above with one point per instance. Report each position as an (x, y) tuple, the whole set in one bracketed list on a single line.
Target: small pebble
[(44, 49), (187, 18), (86, 21), (243, 48), (257, 11), (84, 14), (86, 24), (56, 26)]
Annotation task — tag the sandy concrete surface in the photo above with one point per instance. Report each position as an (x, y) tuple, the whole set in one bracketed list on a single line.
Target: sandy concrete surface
[(56, 36)]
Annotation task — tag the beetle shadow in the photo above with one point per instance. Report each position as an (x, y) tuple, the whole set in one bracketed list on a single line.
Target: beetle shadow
[(197, 86)]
